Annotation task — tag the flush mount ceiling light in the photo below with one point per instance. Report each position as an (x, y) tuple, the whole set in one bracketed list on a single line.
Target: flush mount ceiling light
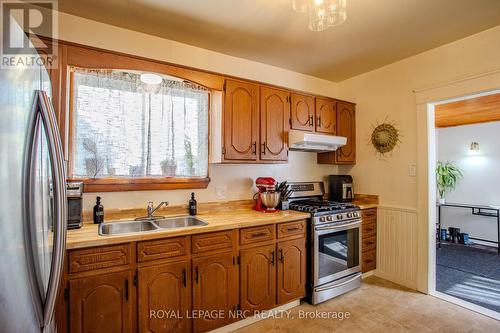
[(150, 78), (322, 13)]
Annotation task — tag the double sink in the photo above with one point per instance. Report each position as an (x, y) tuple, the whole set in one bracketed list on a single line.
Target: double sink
[(124, 227)]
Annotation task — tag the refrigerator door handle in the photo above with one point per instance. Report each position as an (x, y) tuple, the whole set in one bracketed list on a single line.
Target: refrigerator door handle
[(43, 111)]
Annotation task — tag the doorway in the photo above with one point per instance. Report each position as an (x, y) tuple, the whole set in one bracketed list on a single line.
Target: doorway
[(464, 228)]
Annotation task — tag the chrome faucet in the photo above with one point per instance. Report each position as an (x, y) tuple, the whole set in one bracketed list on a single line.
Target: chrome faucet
[(151, 209)]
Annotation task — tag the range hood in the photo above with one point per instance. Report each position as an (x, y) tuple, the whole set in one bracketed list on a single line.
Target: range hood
[(303, 141)]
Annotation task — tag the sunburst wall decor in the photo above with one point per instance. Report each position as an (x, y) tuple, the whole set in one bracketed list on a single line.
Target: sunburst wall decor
[(385, 137)]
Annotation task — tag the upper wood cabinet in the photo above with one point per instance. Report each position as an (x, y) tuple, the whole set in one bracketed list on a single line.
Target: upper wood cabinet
[(161, 287), (346, 127), (101, 303), (215, 288), (325, 116), (302, 112), (241, 121), (291, 274), (258, 278), (274, 123), (346, 120)]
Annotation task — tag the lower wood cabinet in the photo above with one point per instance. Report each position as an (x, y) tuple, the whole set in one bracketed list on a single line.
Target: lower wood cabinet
[(102, 303), (164, 287), (184, 284), (291, 270), (258, 278), (215, 289), (369, 239)]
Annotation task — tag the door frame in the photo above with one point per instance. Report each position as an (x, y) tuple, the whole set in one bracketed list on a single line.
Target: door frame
[(426, 99)]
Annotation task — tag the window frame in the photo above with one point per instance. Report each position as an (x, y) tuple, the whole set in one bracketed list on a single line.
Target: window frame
[(91, 58)]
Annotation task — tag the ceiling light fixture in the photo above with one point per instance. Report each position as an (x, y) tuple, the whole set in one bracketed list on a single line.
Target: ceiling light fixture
[(474, 146), (150, 78), (322, 13)]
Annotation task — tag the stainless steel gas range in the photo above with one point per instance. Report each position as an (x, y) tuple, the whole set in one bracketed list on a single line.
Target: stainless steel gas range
[(334, 242)]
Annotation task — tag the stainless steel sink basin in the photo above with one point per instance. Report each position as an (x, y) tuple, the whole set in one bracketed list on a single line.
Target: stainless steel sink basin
[(123, 227), (115, 228), (179, 222)]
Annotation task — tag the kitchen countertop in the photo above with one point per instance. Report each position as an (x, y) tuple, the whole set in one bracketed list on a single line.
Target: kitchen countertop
[(87, 235)]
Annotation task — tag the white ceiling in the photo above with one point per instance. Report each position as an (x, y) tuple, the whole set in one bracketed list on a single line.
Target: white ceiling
[(376, 33)]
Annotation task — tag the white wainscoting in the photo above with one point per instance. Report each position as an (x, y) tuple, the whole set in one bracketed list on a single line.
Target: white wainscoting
[(397, 245)]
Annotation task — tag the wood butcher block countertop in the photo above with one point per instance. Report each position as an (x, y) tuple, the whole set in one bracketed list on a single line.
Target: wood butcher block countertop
[(87, 236)]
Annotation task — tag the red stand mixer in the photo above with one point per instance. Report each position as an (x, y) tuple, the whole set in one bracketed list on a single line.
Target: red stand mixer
[(266, 195)]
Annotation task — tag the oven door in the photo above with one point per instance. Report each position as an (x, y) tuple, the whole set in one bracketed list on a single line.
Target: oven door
[(337, 251)]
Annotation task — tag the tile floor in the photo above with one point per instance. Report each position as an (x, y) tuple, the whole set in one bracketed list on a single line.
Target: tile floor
[(382, 306)]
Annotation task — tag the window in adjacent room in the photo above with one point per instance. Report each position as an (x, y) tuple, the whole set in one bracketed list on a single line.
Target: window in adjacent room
[(123, 127)]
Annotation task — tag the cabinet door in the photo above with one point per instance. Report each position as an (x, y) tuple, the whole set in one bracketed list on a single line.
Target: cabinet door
[(274, 124), (215, 290), (291, 270), (164, 288), (241, 120), (302, 113), (257, 278), (346, 126), (101, 303), (325, 116)]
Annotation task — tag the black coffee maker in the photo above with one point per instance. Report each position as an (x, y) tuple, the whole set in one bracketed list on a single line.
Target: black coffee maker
[(340, 188)]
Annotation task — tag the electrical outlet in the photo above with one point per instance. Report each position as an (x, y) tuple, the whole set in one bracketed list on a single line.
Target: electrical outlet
[(220, 192), (412, 170)]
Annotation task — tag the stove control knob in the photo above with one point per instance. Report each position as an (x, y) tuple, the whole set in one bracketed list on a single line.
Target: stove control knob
[(355, 214), (329, 218), (322, 219), (349, 215), (339, 217)]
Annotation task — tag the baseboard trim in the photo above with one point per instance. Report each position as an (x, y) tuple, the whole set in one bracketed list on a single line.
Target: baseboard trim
[(368, 274), (252, 320)]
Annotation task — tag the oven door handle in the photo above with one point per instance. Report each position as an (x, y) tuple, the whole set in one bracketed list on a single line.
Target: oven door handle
[(330, 286), (337, 226)]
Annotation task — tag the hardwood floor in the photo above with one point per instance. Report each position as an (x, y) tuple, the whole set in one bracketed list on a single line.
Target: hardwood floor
[(382, 306)]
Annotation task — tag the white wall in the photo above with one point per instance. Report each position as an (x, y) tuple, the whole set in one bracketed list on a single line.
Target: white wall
[(235, 180), (481, 181), (400, 92), (388, 93)]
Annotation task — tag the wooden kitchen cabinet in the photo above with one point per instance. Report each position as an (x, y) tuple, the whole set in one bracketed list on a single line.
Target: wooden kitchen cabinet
[(258, 278), (101, 303), (302, 112), (325, 116), (346, 126), (215, 289), (164, 287), (369, 239), (291, 270), (274, 124), (241, 121)]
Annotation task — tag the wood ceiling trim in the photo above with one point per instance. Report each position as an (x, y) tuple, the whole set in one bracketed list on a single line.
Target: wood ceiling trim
[(470, 111)]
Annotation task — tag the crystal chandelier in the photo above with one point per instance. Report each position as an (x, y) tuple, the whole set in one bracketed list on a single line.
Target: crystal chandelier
[(322, 13)]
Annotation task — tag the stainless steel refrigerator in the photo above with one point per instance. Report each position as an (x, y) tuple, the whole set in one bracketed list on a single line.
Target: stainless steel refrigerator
[(32, 202)]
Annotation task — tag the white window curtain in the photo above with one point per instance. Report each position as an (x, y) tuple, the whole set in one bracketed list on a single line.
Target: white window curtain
[(123, 127)]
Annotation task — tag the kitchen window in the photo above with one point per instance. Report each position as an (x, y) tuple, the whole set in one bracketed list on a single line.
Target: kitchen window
[(125, 129)]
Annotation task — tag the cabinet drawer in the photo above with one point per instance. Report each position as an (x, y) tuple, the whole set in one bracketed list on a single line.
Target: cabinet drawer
[(98, 258), (161, 249), (257, 234), (222, 240), (369, 215), (290, 229), (369, 229), (369, 261), (369, 243)]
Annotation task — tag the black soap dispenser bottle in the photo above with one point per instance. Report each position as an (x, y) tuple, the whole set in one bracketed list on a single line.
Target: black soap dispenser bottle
[(192, 205), (98, 211)]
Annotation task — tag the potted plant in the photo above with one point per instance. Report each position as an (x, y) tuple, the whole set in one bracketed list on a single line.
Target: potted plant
[(447, 176), (168, 167)]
